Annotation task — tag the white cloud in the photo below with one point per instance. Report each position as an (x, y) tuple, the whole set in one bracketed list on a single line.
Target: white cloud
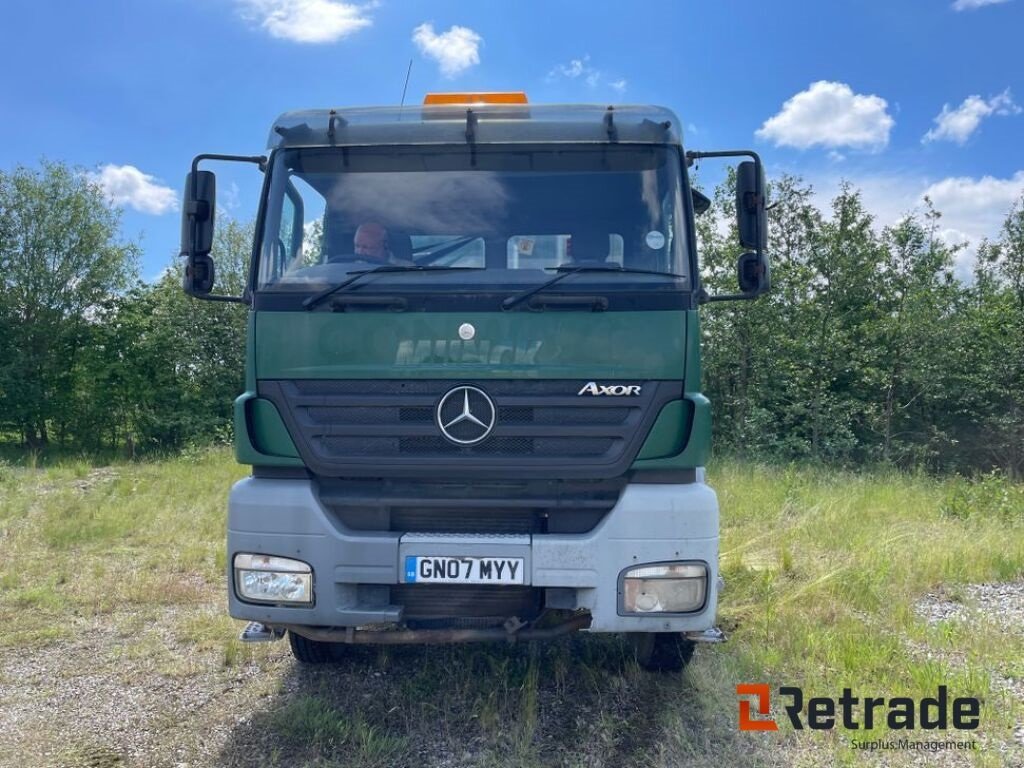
[(972, 208), (156, 277), (958, 124), (582, 69), (572, 70), (307, 21), (830, 115), (970, 5), (976, 207), (456, 50), (953, 236), (127, 185), (230, 197)]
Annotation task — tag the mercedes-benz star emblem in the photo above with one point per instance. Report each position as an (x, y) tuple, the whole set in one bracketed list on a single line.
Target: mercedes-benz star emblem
[(465, 415)]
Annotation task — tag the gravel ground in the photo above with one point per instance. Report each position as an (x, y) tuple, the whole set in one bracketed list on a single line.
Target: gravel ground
[(86, 702), (94, 701), (127, 690), (1001, 605)]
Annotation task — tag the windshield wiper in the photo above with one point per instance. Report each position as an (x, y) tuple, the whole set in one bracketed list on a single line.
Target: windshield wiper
[(315, 299), (565, 271)]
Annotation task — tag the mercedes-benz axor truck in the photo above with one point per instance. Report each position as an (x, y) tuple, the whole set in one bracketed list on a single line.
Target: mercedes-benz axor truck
[(472, 401)]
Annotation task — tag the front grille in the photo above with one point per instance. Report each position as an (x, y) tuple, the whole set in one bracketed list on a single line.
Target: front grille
[(420, 520), (354, 427), (354, 447), (438, 605), (481, 507)]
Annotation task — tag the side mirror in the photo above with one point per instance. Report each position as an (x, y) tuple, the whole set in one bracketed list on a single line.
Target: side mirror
[(199, 275), (751, 210), (197, 214), (701, 202), (752, 273)]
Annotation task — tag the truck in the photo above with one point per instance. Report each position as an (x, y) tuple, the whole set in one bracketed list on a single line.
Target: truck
[(472, 405)]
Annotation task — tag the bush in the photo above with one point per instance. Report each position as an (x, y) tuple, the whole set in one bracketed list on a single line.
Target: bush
[(988, 495)]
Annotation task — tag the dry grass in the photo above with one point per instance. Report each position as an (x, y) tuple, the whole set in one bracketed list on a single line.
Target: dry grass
[(116, 645)]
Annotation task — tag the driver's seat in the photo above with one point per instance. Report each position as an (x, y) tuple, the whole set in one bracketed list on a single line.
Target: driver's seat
[(588, 247)]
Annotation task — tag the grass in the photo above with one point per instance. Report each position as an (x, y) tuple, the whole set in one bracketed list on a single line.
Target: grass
[(822, 571), (312, 724)]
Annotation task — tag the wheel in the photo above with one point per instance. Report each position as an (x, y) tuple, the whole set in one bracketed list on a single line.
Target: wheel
[(661, 651), (311, 651)]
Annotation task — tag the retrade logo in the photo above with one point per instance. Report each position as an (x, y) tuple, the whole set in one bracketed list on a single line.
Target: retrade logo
[(823, 713), (760, 693), (465, 415)]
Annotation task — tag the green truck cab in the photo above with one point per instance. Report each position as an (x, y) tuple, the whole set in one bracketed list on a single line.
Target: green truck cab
[(472, 405)]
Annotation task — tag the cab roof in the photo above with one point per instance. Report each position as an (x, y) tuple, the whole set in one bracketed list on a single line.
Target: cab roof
[(476, 124)]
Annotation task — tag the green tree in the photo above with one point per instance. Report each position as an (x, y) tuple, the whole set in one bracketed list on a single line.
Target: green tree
[(204, 341), (990, 350), (60, 258), (164, 367), (918, 297), (755, 352)]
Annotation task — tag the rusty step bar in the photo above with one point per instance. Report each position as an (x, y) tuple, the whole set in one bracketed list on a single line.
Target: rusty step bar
[(513, 631)]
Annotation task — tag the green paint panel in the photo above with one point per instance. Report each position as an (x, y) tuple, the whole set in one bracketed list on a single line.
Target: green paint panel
[(698, 445), (509, 345), (668, 435), (264, 427), (693, 369), (250, 352)]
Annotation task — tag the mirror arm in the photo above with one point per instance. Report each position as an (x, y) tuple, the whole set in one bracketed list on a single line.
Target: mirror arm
[(259, 160), (691, 156), (229, 299), (196, 209), (706, 298)]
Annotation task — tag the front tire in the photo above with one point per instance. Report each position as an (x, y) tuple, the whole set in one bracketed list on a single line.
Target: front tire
[(661, 651), (308, 651)]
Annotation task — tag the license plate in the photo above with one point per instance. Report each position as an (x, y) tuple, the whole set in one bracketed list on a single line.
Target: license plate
[(428, 569)]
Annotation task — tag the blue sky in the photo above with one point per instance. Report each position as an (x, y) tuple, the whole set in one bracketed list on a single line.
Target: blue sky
[(901, 98)]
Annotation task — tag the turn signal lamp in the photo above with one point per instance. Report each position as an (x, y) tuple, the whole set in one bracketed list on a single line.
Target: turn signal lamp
[(490, 97)]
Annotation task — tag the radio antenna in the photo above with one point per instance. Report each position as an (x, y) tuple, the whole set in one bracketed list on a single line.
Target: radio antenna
[(406, 86)]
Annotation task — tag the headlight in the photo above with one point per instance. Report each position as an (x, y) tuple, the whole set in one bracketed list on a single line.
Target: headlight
[(664, 588), (269, 579)]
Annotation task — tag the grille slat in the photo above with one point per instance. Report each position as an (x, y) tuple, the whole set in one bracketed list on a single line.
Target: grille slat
[(441, 601), (417, 429), (369, 400), (426, 520)]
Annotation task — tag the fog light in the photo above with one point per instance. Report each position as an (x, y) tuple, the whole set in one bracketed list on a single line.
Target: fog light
[(269, 579), (664, 588)]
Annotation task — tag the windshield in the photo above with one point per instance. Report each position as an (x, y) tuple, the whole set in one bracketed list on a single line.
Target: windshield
[(503, 217)]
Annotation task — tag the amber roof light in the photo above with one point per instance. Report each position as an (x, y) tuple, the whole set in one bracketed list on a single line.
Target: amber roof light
[(493, 97)]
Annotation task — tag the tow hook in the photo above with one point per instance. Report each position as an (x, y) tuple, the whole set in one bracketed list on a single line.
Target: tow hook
[(255, 632), (713, 635), (512, 625)]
